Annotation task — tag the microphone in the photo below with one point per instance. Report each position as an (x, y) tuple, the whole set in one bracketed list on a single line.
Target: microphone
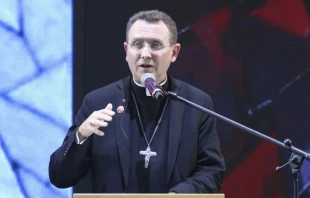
[(149, 81)]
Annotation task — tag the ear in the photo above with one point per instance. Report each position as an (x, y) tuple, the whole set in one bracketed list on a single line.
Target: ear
[(126, 48), (175, 52)]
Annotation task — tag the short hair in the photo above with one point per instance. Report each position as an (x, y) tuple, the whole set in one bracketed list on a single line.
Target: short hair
[(154, 16)]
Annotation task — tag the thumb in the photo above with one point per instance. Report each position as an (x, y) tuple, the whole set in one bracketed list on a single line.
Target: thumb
[(109, 106)]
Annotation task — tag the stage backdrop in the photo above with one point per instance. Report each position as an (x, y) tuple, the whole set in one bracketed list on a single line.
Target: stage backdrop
[(251, 56), (35, 93)]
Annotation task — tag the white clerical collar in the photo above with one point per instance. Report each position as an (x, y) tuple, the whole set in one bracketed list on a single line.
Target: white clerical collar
[(146, 90)]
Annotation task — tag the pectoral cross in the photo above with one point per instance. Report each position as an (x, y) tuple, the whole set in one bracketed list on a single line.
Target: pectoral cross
[(148, 154)]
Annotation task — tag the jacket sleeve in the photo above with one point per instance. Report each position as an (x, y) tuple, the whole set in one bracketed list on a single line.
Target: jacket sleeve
[(210, 164), (71, 161)]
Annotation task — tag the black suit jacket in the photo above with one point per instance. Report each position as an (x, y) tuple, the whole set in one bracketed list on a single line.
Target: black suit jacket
[(195, 163)]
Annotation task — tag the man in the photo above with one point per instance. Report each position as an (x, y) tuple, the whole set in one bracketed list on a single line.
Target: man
[(146, 145)]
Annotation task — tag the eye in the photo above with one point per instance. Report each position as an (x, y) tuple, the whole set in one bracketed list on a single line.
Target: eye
[(156, 45), (137, 44)]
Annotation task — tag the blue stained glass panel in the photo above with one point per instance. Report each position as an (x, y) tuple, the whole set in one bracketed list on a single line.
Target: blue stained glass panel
[(35, 93)]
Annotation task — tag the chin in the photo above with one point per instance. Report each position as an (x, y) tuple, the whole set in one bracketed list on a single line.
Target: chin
[(146, 71)]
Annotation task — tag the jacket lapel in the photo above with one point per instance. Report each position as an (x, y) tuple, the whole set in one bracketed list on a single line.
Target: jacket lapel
[(122, 126), (175, 127)]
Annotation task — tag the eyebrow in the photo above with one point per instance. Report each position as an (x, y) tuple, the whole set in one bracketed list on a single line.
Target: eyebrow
[(147, 39)]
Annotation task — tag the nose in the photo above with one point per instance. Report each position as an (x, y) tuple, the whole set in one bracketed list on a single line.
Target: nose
[(145, 53)]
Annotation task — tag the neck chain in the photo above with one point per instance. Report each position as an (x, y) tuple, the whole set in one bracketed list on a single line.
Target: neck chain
[(140, 120)]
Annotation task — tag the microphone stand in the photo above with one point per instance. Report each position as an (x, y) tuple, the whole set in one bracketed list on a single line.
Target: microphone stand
[(297, 155)]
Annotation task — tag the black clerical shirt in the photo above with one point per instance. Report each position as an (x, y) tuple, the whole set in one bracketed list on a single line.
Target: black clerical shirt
[(152, 179)]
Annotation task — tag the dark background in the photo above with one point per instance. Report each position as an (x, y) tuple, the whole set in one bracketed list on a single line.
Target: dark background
[(252, 57)]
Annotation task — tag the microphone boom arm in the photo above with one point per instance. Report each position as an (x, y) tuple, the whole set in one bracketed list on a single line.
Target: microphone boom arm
[(297, 155)]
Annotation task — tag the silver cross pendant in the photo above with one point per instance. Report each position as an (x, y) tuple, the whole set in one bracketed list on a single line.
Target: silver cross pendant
[(148, 154)]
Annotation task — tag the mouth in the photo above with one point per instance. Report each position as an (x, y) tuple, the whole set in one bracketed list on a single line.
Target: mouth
[(146, 66)]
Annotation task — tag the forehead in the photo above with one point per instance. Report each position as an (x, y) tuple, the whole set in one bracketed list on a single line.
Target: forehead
[(149, 31)]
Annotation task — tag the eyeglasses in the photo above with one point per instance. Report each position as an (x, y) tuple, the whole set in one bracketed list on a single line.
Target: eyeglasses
[(154, 46)]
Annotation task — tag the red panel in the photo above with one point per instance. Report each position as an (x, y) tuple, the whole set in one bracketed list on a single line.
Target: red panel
[(289, 15), (256, 177)]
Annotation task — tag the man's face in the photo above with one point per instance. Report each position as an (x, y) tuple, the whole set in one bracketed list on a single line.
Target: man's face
[(149, 51)]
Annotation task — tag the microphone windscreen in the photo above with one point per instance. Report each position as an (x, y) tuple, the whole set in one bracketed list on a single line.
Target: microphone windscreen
[(145, 76)]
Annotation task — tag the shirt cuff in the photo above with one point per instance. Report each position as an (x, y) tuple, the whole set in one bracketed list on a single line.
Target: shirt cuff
[(78, 139)]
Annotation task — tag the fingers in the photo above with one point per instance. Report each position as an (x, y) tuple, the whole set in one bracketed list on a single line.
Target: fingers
[(104, 114), (103, 117), (107, 112), (99, 123), (109, 107), (98, 119), (98, 132), (95, 130)]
